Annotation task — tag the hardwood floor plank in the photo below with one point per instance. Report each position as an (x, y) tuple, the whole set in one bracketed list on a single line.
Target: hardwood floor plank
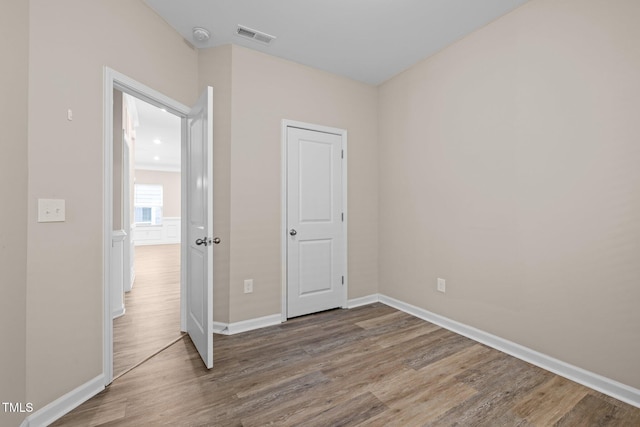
[(99, 415), (503, 372), (500, 382), (298, 409), (424, 404), (550, 401), (284, 402), (440, 349), (271, 399), (595, 411), (460, 362), (398, 337), (389, 321), (354, 411)]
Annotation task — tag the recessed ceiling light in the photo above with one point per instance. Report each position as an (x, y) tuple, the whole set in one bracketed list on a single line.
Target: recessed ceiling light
[(156, 158), (157, 141)]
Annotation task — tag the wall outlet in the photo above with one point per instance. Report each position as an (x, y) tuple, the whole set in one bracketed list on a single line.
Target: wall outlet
[(442, 285), (248, 286)]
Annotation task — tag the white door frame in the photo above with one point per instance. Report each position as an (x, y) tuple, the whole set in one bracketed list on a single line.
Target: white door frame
[(283, 225), (115, 80), (126, 212)]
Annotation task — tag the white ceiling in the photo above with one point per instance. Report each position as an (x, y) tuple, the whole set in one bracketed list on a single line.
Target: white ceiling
[(366, 40), (157, 124)]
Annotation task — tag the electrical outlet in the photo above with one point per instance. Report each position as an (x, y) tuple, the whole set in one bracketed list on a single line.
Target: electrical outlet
[(442, 285), (248, 286)]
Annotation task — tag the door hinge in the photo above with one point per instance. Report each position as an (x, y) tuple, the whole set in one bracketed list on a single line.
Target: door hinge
[(342, 154), (342, 216), (343, 280)]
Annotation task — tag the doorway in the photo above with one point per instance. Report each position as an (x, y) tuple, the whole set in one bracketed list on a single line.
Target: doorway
[(314, 220), (196, 285), (147, 208)]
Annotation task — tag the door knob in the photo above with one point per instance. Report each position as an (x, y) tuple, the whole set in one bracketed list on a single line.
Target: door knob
[(202, 241), (216, 240), (293, 232)]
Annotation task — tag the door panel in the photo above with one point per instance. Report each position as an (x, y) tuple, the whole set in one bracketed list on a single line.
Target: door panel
[(315, 181), (315, 258), (197, 267), (316, 266), (199, 227)]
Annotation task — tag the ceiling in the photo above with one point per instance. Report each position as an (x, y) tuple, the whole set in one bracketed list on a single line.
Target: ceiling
[(366, 40), (154, 125)]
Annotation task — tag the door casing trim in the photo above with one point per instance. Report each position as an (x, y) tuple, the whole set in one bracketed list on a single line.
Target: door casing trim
[(115, 80), (283, 207)]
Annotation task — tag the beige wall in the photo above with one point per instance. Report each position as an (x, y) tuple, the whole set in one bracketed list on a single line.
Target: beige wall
[(253, 93), (70, 43), (266, 90), (509, 167), (215, 70), (170, 182), (14, 19)]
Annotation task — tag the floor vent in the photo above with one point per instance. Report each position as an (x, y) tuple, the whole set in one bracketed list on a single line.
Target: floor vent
[(254, 35)]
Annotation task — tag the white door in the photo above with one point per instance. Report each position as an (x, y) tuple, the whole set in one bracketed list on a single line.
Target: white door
[(315, 249), (199, 268)]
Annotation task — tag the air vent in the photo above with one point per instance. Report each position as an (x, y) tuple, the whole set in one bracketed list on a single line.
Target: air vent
[(254, 35), (246, 33)]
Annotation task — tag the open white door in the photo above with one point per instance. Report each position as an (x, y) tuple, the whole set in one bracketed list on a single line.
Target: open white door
[(199, 259)]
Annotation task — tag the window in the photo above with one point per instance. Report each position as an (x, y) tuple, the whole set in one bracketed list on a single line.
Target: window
[(148, 204)]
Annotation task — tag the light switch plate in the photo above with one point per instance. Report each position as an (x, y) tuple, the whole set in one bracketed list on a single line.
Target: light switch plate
[(51, 210)]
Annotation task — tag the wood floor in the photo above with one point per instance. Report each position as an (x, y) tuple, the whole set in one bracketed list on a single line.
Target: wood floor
[(152, 317), (368, 366)]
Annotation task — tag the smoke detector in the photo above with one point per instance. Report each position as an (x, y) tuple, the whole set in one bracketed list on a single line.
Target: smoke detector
[(258, 36), (201, 34)]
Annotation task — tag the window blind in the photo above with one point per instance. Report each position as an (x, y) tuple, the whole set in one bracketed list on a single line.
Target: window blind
[(147, 195)]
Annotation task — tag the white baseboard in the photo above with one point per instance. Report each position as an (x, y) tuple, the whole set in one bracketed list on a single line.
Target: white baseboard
[(129, 286), (357, 302), (246, 325), (119, 312), (64, 404), (220, 328), (589, 379)]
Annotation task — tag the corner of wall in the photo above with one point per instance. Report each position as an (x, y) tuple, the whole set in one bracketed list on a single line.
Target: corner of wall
[(215, 70), (13, 222)]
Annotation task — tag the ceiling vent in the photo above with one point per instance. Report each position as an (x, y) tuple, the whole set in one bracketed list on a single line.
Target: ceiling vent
[(254, 35)]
